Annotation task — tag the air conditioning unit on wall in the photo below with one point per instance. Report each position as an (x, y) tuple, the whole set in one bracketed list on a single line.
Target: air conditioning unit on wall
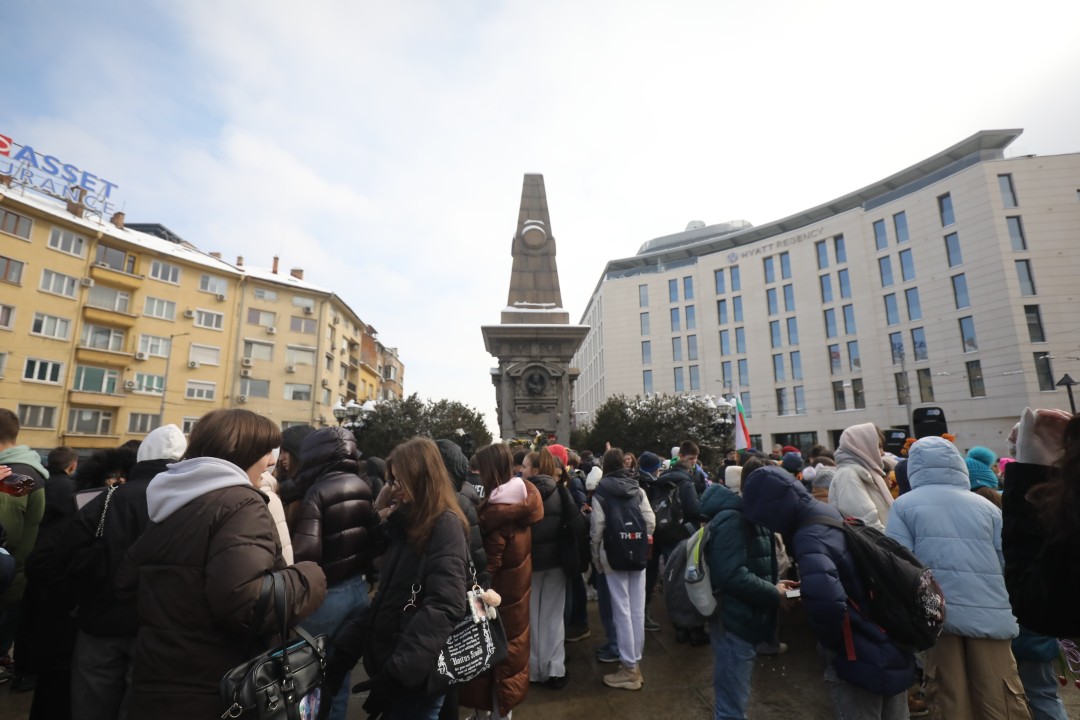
[(241, 399), (129, 384), (189, 314), (290, 368), (271, 330), (245, 373), (140, 356), (246, 362), (193, 364)]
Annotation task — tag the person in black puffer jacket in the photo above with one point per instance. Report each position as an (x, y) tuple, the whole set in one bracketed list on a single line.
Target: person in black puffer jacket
[(335, 527)]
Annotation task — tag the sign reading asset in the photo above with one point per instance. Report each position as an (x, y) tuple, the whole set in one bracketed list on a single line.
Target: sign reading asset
[(50, 175)]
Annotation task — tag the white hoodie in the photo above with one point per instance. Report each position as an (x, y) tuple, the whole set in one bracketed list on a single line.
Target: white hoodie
[(188, 479)]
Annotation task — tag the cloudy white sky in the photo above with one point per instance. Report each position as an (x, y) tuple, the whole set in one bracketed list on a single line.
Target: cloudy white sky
[(381, 146)]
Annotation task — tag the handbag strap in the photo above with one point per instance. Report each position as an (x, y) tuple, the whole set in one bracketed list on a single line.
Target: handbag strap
[(101, 522), (418, 584), (259, 614)]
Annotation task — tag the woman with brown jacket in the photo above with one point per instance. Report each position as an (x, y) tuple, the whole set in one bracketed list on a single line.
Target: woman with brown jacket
[(506, 517)]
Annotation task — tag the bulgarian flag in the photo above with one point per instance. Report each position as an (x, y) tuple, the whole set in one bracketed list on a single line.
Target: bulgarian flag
[(742, 433)]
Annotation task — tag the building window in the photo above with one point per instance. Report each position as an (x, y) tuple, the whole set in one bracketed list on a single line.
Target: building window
[(726, 378), (1034, 323), (11, 270), (792, 331), (839, 401), (892, 313), (646, 382), (643, 295), (13, 224), (800, 400), (960, 291), (302, 301), (796, 365), (774, 334), (646, 352), (975, 379), (691, 317), (67, 242), (115, 258), (142, 423), (926, 385), (197, 390), (58, 284), (156, 307), (644, 323), (881, 237), (264, 318), (744, 372), (691, 347), (781, 401), (164, 271), (37, 416), (918, 344), (830, 323), (673, 290), (718, 279), (48, 326), (1016, 234), (914, 308), (721, 312), (100, 337), (903, 391), (834, 359), (297, 391), (695, 379), (1044, 371), (302, 325), (907, 266), (822, 249), (945, 210), (854, 361), (849, 320), (272, 296), (108, 298), (736, 309), (896, 347), (885, 270), (679, 385), (676, 324), (770, 270), (952, 250), (1008, 193), (785, 266), (84, 421), (213, 284), (967, 334), (252, 388), (1026, 278), (676, 349), (154, 345), (841, 249), (771, 301), (744, 400), (858, 394), (725, 343), (153, 384), (7, 317), (3, 363), (188, 424), (688, 288), (205, 354), (842, 278), (95, 379), (826, 288), (789, 298), (778, 368), (207, 319), (900, 225)]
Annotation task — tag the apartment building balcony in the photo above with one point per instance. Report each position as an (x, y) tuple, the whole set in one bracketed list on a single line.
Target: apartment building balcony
[(82, 397), (88, 355), (108, 316), (103, 273)]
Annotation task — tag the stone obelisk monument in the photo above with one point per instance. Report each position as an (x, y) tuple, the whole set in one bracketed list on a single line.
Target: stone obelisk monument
[(534, 341)]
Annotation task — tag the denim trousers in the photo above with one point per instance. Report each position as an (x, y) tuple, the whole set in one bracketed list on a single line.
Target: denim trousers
[(603, 602), (1041, 688), (733, 665), (343, 599), (415, 707)]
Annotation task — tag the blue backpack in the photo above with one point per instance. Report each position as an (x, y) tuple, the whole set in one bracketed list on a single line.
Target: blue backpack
[(626, 537)]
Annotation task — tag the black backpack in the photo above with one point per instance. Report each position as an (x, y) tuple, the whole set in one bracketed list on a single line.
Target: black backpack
[(626, 537), (667, 507), (905, 599)]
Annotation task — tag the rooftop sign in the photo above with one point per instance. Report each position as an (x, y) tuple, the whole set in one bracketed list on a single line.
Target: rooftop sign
[(51, 176)]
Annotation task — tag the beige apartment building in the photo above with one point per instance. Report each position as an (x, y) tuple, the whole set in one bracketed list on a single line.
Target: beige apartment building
[(108, 330), (949, 285)]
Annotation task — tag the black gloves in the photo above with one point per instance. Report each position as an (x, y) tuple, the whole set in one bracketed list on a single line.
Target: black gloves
[(383, 690)]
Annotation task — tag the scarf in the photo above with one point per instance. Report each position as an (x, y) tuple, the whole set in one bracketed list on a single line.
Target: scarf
[(23, 455)]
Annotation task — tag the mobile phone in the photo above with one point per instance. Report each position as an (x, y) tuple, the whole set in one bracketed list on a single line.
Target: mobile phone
[(793, 593)]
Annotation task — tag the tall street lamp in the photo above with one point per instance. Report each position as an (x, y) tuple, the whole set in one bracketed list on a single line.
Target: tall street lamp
[(165, 378), (1067, 382)]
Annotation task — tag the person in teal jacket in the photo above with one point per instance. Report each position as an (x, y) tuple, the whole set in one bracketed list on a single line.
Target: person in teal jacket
[(742, 567)]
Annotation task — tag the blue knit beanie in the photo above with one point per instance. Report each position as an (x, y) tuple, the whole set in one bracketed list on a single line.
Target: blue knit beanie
[(981, 475), (983, 454)]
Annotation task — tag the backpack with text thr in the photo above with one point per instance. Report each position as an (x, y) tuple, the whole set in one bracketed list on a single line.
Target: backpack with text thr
[(626, 536), (905, 599)]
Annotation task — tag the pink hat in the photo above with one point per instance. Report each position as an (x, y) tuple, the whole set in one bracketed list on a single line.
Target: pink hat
[(1003, 462), (558, 451)]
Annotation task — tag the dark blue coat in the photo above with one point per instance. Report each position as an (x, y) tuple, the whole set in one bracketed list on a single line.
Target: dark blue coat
[(688, 494), (865, 657)]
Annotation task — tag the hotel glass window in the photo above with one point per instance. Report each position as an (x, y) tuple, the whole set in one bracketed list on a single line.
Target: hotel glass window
[(252, 388), (789, 298), (785, 266), (945, 210), (108, 299), (7, 316), (265, 318), (718, 280), (740, 340), (900, 225), (744, 400), (85, 421), (302, 325), (926, 385), (115, 259), (1044, 371), (154, 345), (691, 317), (100, 337), (14, 224), (781, 401), (676, 349), (914, 308), (254, 350), (37, 416), (800, 400), (196, 390), (67, 242), (736, 278), (1026, 278), (796, 365), (1008, 193), (826, 288), (907, 265), (744, 372), (967, 334), (839, 401), (213, 284), (46, 371), (156, 307), (952, 250), (770, 270), (646, 382), (676, 323), (721, 312), (778, 368), (297, 391), (843, 279), (644, 322), (679, 383), (673, 290), (892, 313), (903, 391), (95, 379), (834, 359), (858, 394), (975, 379), (1016, 234), (54, 282), (643, 295), (691, 347), (167, 272), (1034, 323), (727, 378), (774, 334), (822, 249), (142, 423), (841, 249), (849, 320), (896, 347), (51, 326), (792, 331), (695, 378), (11, 270), (885, 270), (725, 342), (146, 383), (736, 309), (688, 288), (646, 352), (205, 354), (918, 344), (960, 291), (771, 301), (854, 361), (212, 320), (830, 323), (881, 237)]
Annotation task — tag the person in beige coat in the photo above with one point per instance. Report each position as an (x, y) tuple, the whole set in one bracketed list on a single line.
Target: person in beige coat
[(858, 486), (269, 488)]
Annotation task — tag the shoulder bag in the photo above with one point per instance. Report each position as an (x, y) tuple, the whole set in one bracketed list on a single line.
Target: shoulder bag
[(282, 683), (88, 568)]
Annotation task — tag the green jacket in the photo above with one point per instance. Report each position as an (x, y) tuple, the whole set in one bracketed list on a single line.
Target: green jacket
[(21, 516), (742, 566)]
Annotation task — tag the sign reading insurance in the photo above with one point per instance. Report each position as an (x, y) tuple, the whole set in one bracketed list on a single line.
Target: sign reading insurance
[(52, 176)]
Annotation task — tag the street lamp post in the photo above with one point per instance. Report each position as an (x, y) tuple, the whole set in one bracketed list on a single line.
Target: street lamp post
[(1067, 382), (165, 377)]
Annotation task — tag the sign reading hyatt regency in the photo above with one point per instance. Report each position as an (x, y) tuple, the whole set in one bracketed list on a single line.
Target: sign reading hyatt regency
[(49, 175), (766, 248)]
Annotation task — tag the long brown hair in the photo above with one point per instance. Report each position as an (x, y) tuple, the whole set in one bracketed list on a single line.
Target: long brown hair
[(417, 465), (1058, 500), (544, 463), (239, 436), (496, 466)]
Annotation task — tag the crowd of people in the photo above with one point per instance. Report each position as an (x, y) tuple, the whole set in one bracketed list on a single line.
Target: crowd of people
[(130, 581)]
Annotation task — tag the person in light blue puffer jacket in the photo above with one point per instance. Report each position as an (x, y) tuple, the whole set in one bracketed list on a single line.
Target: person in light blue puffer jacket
[(970, 672)]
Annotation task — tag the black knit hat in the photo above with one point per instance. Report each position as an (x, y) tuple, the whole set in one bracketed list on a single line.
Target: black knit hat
[(292, 437)]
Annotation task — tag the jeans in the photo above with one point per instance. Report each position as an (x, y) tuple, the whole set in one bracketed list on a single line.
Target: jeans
[(414, 708), (603, 601), (343, 599), (851, 702), (733, 664), (101, 677), (576, 614), (1041, 687)]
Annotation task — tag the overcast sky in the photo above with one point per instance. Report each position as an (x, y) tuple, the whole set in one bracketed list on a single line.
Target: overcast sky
[(381, 146)]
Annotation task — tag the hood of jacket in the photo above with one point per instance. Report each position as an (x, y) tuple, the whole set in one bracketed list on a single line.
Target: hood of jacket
[(455, 461), (621, 483), (718, 498), (327, 450), (675, 476), (188, 479), (23, 455), (524, 514), (980, 474), (771, 497), (164, 443), (94, 472), (545, 484), (936, 461), (859, 444)]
